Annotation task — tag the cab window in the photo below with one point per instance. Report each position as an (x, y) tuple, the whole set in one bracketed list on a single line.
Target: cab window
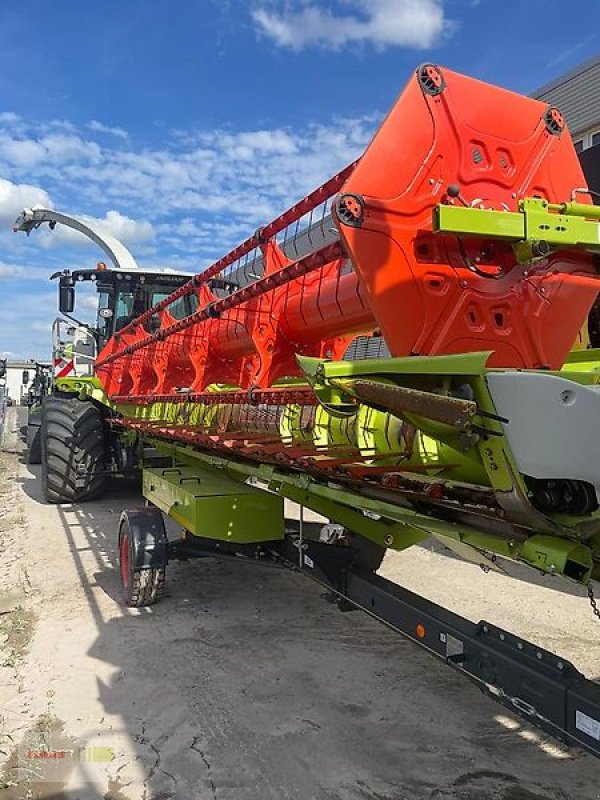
[(182, 307)]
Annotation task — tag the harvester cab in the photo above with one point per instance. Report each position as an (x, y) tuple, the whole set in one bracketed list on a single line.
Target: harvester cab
[(40, 386), (122, 294)]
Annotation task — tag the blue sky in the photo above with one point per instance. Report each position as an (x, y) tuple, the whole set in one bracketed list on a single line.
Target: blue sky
[(182, 126)]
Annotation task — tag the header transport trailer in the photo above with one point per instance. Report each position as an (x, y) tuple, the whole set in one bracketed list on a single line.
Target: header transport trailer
[(400, 351)]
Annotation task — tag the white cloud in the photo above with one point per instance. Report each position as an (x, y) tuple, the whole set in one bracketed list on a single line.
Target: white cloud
[(9, 118), (11, 270), (24, 324), (21, 152), (381, 23), (65, 147), (88, 302), (127, 230), (41, 326), (54, 148), (241, 176), (203, 192), (14, 197), (245, 175), (30, 271), (95, 125)]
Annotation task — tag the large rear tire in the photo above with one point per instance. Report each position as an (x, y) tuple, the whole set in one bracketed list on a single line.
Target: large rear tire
[(34, 443), (73, 449)]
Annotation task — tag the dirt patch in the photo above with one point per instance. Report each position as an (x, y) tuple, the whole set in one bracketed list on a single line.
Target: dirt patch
[(38, 768), (16, 630)]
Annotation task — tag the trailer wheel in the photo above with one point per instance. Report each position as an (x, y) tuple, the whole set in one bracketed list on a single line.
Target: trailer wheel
[(72, 449), (142, 557)]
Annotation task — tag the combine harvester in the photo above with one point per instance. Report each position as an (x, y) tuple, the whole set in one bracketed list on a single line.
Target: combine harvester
[(395, 352)]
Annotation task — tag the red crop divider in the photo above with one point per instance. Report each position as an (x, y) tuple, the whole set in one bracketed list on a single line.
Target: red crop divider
[(303, 266), (293, 214)]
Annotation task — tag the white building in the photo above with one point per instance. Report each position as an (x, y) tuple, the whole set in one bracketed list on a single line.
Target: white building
[(19, 375)]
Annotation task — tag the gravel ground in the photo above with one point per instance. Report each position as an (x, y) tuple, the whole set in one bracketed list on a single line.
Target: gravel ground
[(244, 684)]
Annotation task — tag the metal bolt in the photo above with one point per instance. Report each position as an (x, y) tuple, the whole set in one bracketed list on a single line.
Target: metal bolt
[(519, 645), (539, 655), (389, 540), (502, 637), (560, 665)]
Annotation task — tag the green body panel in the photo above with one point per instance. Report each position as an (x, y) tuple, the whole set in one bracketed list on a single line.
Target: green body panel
[(210, 504), (380, 521), (479, 222), (86, 388), (442, 451), (564, 225), (558, 555), (582, 366), (459, 364)]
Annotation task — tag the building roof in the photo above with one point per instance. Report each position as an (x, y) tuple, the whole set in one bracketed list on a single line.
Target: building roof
[(579, 70), (577, 95), (29, 364)]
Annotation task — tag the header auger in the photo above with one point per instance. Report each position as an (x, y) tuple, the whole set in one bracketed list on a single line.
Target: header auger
[(400, 352)]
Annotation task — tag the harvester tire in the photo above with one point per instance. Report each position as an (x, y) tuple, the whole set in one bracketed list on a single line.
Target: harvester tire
[(34, 444), (72, 449)]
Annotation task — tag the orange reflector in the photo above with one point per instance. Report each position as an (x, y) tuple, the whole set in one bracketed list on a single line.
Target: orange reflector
[(420, 631)]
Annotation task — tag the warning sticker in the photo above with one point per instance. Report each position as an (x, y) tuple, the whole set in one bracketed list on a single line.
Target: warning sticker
[(587, 724)]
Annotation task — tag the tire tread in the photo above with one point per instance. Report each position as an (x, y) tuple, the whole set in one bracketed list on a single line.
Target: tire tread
[(72, 435)]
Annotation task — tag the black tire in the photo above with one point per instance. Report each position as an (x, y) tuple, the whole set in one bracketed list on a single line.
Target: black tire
[(141, 587), (34, 444), (72, 449)]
